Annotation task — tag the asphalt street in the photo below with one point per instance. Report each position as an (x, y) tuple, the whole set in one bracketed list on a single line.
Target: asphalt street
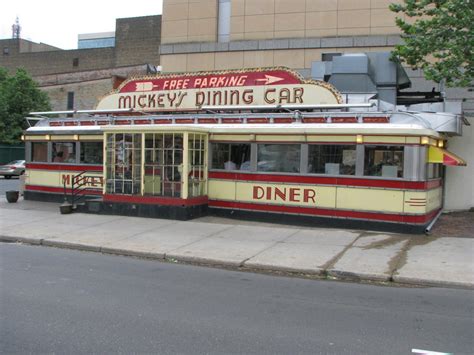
[(63, 301)]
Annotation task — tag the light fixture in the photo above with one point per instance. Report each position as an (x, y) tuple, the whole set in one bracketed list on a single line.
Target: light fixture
[(440, 143), (76, 137), (359, 139), (23, 137), (425, 140), (47, 137)]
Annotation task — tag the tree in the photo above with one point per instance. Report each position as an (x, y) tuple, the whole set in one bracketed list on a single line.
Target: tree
[(19, 95), (438, 38)]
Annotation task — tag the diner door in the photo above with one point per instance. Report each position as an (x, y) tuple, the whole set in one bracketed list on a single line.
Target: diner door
[(195, 184)]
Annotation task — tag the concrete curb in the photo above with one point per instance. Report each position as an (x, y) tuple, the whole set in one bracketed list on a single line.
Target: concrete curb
[(358, 276), (432, 283), (242, 265)]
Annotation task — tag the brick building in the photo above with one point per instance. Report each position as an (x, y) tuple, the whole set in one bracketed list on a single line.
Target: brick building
[(75, 79)]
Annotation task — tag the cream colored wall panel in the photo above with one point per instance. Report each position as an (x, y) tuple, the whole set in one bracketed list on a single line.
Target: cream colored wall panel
[(200, 62), (202, 27), (312, 55), (289, 58), (202, 38), (412, 140), (289, 6), (229, 60), (203, 9), (321, 5), (258, 35), (289, 34), (382, 18), (384, 31), (288, 195), (259, 23), (231, 137), (236, 24), (384, 139), (240, 36), (174, 63), (257, 59), (353, 4), (353, 31), (173, 12), (321, 20), (321, 33), (382, 4), (353, 19), (434, 199), (171, 29), (370, 199), (42, 178), (238, 8), (270, 138), (346, 139), (91, 137), (414, 202), (62, 137), (31, 137), (222, 190), (290, 22), (259, 7)]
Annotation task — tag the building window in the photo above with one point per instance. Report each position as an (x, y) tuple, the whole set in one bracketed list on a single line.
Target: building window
[(6, 51), (123, 162), (63, 152), (163, 164), (281, 158), (75, 62), (91, 153), (332, 159), (231, 156), (39, 151), (385, 161), (433, 170), (70, 100)]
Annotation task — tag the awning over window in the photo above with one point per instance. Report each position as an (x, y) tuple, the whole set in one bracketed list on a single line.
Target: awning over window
[(442, 156)]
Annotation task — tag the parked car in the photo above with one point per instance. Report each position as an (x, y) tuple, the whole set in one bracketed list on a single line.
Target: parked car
[(13, 168)]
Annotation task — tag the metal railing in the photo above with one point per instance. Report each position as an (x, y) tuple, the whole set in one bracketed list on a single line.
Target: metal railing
[(75, 192)]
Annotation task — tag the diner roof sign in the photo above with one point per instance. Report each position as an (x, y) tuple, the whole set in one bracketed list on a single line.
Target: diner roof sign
[(191, 91)]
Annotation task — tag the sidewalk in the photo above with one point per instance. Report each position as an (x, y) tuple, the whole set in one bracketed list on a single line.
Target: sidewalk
[(315, 252)]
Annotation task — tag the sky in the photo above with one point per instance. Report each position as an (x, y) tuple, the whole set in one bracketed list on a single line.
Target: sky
[(58, 23)]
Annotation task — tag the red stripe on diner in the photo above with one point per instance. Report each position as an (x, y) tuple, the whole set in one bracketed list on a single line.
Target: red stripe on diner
[(321, 180), (88, 191), (157, 200), (417, 219), (63, 167)]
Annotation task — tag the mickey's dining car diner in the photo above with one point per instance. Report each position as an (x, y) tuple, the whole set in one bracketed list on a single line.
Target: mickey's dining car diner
[(261, 143)]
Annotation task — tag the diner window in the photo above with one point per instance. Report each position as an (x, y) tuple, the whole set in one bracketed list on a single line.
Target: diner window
[(385, 161), (163, 164), (197, 166), (231, 156), (63, 152), (91, 153), (280, 158), (331, 159), (123, 163), (39, 151), (433, 171)]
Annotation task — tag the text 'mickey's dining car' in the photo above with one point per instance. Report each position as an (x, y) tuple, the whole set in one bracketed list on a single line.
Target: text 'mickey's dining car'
[(260, 143)]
